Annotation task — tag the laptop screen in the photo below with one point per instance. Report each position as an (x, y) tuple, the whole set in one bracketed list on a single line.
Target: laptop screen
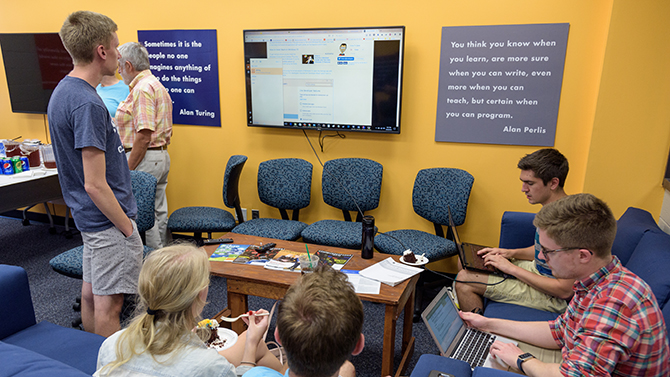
[(443, 320)]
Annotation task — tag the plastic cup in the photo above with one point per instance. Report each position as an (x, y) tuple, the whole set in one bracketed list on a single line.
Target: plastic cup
[(308, 264)]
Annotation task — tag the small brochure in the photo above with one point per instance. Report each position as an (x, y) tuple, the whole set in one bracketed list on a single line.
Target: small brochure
[(227, 252), (252, 256), (390, 272)]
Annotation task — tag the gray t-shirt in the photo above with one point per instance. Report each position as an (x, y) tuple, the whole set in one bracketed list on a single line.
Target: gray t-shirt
[(78, 118)]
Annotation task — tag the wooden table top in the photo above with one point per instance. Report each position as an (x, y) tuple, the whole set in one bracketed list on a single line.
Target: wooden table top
[(254, 273)]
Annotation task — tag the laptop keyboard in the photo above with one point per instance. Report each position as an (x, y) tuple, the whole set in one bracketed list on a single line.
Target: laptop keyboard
[(474, 348)]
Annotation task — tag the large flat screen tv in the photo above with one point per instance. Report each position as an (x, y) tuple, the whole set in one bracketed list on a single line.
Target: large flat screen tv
[(34, 64), (340, 79)]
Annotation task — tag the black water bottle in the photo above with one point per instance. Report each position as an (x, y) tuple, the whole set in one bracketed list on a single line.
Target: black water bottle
[(368, 240)]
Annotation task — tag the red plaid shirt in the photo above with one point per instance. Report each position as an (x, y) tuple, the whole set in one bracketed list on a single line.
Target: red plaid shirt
[(612, 326)]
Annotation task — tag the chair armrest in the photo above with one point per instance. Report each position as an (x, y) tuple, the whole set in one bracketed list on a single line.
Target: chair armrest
[(16, 306), (517, 230)]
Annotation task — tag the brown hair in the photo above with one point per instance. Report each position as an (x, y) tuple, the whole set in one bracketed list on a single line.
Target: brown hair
[(320, 322), (580, 221), (83, 31), (546, 164)]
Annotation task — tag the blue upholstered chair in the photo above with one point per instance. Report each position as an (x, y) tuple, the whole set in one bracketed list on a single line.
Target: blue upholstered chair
[(434, 191), (349, 184), (285, 184), (198, 220), (70, 263)]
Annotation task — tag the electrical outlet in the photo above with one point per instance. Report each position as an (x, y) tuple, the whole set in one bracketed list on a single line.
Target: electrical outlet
[(244, 215), (255, 214)]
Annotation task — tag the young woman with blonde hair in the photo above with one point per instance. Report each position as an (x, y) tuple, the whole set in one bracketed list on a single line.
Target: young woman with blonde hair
[(163, 340)]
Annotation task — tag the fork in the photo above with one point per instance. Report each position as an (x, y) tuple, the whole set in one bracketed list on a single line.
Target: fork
[(233, 319)]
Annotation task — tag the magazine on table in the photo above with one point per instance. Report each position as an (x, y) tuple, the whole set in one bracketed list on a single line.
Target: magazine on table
[(227, 252), (285, 260), (252, 255), (334, 260)]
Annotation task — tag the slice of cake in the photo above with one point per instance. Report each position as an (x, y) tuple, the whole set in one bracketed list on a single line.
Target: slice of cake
[(408, 256), (214, 341)]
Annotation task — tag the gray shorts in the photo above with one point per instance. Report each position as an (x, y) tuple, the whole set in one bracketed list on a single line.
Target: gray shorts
[(112, 261)]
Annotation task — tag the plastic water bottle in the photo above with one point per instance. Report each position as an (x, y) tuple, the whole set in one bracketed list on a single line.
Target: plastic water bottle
[(368, 240)]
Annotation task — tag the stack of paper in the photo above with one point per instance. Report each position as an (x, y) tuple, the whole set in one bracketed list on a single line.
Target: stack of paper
[(390, 272)]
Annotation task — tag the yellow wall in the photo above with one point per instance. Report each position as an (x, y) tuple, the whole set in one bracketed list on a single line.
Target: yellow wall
[(595, 114)]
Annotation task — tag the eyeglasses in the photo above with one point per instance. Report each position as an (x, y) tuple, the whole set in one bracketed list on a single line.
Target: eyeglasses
[(546, 251)]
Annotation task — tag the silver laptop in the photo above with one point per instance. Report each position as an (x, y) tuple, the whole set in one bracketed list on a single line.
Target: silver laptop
[(455, 339)]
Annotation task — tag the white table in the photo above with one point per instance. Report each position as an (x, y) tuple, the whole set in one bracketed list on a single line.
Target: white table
[(29, 188)]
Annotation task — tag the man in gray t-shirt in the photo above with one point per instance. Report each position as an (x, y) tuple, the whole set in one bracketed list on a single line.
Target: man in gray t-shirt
[(93, 172)]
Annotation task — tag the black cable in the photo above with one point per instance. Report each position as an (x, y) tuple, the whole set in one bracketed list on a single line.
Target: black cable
[(466, 282), (322, 138)]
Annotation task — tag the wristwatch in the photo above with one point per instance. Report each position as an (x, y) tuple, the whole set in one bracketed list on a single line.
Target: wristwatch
[(522, 358)]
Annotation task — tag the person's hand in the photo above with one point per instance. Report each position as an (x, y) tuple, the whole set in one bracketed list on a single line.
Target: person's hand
[(500, 262), (477, 321), (507, 253), (257, 325), (507, 352)]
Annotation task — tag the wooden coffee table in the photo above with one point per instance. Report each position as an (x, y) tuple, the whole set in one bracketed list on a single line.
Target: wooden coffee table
[(244, 280)]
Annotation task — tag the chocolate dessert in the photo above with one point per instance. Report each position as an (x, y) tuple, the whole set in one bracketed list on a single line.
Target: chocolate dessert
[(409, 257)]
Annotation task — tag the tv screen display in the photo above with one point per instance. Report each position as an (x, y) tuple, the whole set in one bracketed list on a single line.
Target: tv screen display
[(341, 79), (34, 64)]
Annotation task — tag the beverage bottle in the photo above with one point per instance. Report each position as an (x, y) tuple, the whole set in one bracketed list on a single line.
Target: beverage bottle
[(368, 240)]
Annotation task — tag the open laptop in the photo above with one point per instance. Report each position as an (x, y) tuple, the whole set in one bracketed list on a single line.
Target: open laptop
[(468, 254), (455, 339)]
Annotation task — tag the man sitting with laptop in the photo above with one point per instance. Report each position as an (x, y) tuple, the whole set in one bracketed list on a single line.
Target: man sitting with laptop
[(612, 326), (543, 175)]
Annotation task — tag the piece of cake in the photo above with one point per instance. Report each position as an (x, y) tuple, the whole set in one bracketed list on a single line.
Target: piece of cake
[(409, 257), (214, 341)]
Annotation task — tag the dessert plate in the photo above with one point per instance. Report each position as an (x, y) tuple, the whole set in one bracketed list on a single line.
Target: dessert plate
[(228, 336), (420, 260)]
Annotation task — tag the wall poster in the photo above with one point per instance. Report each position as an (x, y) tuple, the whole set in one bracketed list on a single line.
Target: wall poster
[(186, 62), (500, 84)]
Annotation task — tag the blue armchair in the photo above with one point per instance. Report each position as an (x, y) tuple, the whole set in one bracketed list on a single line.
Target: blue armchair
[(28, 348)]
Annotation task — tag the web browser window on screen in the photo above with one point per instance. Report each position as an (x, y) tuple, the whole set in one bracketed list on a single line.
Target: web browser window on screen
[(320, 77)]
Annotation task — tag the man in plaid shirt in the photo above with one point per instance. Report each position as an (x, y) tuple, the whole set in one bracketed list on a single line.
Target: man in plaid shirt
[(144, 120), (612, 326)]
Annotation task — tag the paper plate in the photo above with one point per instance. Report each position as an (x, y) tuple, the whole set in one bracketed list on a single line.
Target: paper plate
[(420, 260), (228, 335)]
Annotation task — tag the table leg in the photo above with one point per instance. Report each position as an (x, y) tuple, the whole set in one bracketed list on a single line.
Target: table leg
[(390, 321), (238, 304)]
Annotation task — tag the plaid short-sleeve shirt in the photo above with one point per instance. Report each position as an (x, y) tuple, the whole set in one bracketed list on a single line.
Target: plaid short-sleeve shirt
[(148, 106), (612, 326)]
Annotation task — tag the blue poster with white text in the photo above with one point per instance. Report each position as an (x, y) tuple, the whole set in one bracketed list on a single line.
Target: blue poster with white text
[(186, 62)]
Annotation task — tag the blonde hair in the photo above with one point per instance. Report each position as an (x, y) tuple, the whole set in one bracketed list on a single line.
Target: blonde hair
[(83, 31), (170, 283)]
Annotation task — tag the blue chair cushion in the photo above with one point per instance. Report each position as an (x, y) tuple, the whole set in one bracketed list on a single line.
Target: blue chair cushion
[(651, 262), (201, 219), (517, 230), (70, 263), (631, 226), (288, 230), (503, 310), (428, 363), (78, 349), (419, 242), (346, 234), (18, 361)]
